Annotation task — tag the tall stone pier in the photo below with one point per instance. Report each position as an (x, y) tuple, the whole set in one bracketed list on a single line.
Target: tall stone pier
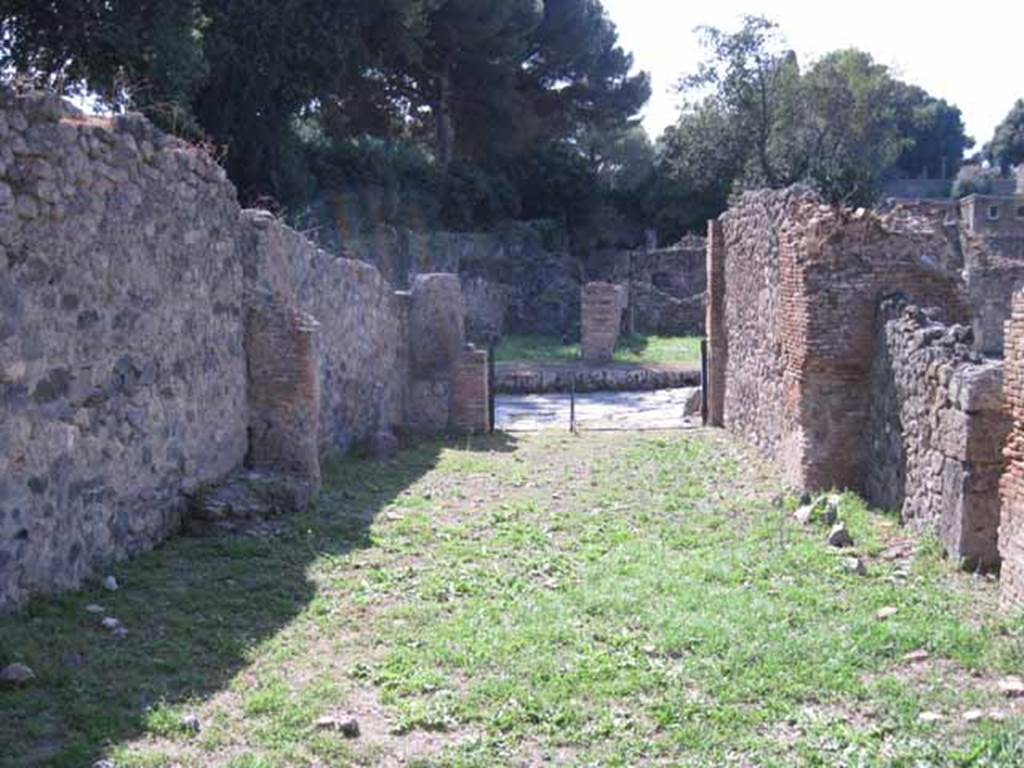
[(602, 317)]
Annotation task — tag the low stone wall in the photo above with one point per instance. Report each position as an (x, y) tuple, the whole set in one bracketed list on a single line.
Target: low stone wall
[(936, 432), (540, 378), (154, 339)]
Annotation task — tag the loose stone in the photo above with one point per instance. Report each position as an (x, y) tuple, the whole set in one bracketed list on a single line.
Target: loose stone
[(1011, 687), (839, 537), (17, 675)]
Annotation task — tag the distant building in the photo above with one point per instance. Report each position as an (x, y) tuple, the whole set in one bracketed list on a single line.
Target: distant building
[(993, 215)]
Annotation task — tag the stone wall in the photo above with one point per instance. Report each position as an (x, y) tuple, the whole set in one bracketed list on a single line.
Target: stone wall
[(437, 340), (936, 432), (665, 286), (471, 394), (752, 340), (994, 266), (154, 339), (487, 305), (361, 343), (517, 279), (602, 318), (521, 278), (802, 284), (122, 368), (1011, 524)]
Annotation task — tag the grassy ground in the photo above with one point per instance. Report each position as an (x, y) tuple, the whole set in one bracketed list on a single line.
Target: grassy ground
[(630, 349), (609, 599)]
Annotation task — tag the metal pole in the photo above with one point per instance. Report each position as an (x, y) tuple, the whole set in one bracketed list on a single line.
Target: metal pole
[(572, 405), (704, 381), (491, 385)]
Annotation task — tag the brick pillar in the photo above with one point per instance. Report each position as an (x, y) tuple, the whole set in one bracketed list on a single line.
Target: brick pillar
[(601, 307), (470, 392), (283, 390), (715, 324), (1011, 518)]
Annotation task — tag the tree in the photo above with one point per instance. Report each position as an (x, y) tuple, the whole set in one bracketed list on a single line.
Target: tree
[(1006, 149), (237, 72), (936, 132), (852, 125), (843, 124), (698, 162), (498, 77), (146, 52), (974, 179), (294, 89), (754, 81)]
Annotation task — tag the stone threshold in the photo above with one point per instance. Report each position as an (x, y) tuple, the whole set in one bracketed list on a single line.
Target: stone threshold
[(527, 378)]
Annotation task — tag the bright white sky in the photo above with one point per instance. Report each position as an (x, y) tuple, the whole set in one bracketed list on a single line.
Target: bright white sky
[(971, 55)]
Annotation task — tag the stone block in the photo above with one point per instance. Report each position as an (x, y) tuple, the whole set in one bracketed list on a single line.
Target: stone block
[(601, 305)]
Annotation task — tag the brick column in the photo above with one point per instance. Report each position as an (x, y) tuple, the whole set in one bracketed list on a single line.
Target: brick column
[(283, 391), (601, 307), (715, 324), (470, 392), (1011, 519)]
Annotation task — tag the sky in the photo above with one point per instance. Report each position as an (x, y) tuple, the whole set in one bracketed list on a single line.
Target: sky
[(971, 58)]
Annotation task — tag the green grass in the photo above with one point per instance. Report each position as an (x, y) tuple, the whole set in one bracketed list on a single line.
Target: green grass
[(630, 349), (609, 599)]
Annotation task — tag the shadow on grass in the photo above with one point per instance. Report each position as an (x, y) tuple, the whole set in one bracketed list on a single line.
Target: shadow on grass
[(195, 609), (633, 344)]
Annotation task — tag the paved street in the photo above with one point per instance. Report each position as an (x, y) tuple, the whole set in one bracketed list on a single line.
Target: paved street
[(662, 409)]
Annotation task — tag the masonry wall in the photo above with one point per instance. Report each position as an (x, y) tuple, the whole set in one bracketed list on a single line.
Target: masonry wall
[(122, 368), (154, 338), (1011, 525), (362, 337), (752, 404), (837, 266), (602, 318), (936, 431), (666, 287), (994, 269), (802, 284)]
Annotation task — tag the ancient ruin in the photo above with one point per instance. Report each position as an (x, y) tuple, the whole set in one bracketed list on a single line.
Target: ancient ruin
[(155, 339), (862, 350)]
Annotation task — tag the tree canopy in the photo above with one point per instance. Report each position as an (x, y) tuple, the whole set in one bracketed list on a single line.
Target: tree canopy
[(1007, 146), (753, 117), (482, 110), (468, 81)]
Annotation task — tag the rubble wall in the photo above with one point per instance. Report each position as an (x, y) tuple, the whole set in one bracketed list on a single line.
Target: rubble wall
[(154, 338), (122, 364), (936, 432)]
